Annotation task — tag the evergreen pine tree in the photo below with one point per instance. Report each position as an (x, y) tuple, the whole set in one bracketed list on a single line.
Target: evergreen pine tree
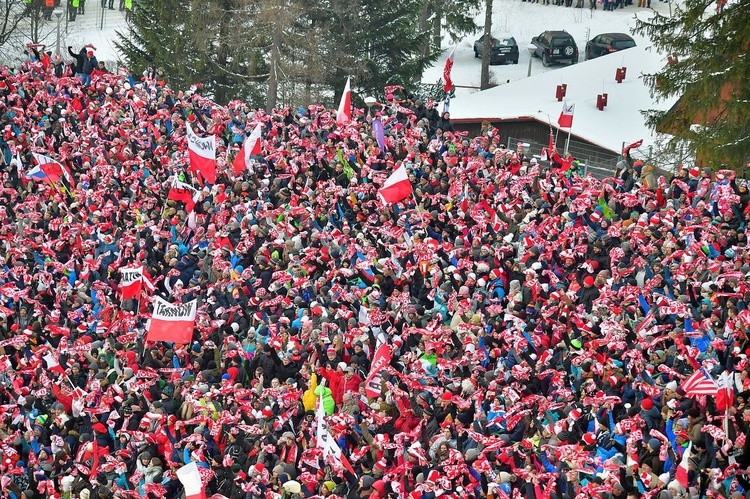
[(197, 42), (454, 17), (160, 37), (707, 70), (377, 42)]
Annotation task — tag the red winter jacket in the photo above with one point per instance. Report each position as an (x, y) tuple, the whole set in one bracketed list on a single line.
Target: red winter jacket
[(335, 381)]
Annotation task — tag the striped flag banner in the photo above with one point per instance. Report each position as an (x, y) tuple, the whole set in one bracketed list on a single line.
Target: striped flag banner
[(700, 383)]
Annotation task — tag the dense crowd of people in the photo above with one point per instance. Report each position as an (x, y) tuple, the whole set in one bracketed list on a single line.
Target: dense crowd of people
[(543, 331)]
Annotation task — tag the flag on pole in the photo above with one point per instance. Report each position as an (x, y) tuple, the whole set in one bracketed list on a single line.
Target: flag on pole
[(48, 169), (681, 475), (448, 86), (325, 440), (185, 193), (148, 283), (53, 364), (724, 392), (131, 282), (251, 147), (380, 361), (190, 478), (172, 323), (566, 115), (547, 151), (344, 114), (700, 383), (396, 187), (202, 155)]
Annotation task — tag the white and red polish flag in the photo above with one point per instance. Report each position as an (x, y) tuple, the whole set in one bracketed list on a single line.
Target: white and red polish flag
[(173, 323), (53, 364), (681, 475), (396, 187), (251, 147), (190, 478), (724, 392), (448, 86), (131, 282), (202, 155), (566, 115), (344, 114)]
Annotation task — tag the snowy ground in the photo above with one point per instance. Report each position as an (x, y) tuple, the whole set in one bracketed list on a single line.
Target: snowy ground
[(526, 20), (97, 26), (99, 32), (523, 20)]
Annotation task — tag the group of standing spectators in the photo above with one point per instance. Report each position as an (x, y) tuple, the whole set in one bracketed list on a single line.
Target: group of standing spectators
[(511, 330)]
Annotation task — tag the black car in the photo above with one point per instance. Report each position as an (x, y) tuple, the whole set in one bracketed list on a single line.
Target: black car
[(606, 43), (555, 47), (503, 49)]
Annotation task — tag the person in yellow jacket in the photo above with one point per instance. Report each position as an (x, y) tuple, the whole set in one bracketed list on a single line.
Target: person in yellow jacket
[(328, 404), (211, 406), (309, 398), (73, 9), (128, 4)]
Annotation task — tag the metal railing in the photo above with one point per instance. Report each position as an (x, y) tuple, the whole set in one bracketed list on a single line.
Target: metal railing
[(594, 160)]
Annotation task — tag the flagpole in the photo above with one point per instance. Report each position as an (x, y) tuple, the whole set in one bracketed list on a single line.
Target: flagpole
[(549, 118), (138, 300), (567, 142)]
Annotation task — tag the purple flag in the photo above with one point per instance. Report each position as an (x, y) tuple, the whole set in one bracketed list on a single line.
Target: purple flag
[(379, 131)]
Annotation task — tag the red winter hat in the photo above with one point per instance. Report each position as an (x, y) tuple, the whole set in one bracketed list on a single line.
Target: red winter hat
[(447, 397), (379, 486), (588, 280), (589, 438), (647, 404), (99, 427)]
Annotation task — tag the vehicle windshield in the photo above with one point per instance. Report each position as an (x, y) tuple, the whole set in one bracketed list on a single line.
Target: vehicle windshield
[(623, 44)]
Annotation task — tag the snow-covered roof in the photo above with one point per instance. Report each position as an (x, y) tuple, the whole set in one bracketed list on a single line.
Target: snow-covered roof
[(534, 98)]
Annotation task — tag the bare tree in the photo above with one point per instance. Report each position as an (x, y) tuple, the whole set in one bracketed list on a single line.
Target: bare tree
[(486, 46), (13, 12)]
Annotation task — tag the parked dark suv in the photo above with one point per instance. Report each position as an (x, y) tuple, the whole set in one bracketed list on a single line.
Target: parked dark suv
[(503, 49), (555, 47), (606, 43)]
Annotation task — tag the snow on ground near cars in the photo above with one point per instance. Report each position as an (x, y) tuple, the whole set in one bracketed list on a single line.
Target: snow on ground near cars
[(534, 97), (524, 21)]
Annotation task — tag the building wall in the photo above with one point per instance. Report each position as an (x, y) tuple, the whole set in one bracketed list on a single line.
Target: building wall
[(537, 134)]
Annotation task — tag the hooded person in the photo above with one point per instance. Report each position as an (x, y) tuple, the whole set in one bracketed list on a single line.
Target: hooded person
[(324, 393)]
